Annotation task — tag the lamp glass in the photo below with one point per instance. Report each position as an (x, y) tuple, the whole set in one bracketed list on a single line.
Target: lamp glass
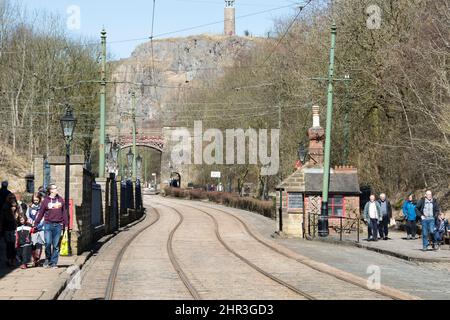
[(130, 157), (107, 145), (68, 122), (138, 162), (301, 153), (115, 151)]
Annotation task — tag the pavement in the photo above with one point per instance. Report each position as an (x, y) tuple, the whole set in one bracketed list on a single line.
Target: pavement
[(397, 246), (37, 283)]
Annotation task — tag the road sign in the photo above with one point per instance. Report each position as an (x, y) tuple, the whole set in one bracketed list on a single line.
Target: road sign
[(215, 174), (153, 174)]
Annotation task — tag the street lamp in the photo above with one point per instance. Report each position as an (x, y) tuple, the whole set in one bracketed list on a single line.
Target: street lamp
[(138, 166), (115, 155), (107, 146), (68, 122), (302, 152), (108, 154), (130, 158)]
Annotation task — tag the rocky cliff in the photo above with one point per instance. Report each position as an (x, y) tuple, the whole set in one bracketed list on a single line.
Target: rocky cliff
[(178, 64)]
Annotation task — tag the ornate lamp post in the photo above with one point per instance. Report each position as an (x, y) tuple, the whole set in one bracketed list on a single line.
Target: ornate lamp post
[(108, 154), (68, 122), (138, 166), (302, 152), (115, 155), (130, 158)]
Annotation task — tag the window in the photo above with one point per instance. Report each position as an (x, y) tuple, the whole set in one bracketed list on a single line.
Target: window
[(336, 206), (295, 200)]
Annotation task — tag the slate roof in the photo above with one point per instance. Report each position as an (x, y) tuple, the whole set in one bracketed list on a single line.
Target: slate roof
[(340, 182), (309, 180)]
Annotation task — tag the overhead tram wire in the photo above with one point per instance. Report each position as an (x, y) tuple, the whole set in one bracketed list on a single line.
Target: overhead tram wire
[(203, 25), (280, 39)]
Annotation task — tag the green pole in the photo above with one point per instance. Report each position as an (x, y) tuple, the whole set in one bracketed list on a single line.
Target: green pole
[(145, 168), (323, 222), (101, 143), (346, 124), (133, 115)]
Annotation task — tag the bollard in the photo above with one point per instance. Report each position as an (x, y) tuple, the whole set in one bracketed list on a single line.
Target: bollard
[(358, 230)]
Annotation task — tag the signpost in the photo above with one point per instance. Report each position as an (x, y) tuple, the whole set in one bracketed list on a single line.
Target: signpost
[(216, 174)]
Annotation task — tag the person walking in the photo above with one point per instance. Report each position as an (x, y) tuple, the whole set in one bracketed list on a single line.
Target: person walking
[(9, 216), (38, 236), (4, 193), (56, 221), (386, 215), (441, 228), (428, 210), (409, 212), (372, 216), (23, 241)]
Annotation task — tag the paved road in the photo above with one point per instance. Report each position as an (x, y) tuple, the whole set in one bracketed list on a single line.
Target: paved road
[(219, 259)]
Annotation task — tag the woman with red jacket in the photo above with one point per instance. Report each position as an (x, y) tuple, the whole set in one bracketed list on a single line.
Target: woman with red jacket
[(52, 207)]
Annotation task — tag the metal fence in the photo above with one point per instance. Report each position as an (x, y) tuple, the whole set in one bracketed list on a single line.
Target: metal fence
[(345, 227)]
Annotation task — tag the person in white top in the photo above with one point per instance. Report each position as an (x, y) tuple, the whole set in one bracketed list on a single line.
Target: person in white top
[(372, 216)]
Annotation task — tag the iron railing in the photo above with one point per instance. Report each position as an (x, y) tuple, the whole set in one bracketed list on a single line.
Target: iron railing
[(350, 225)]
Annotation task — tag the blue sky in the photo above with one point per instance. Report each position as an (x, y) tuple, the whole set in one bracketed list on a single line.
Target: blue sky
[(132, 19)]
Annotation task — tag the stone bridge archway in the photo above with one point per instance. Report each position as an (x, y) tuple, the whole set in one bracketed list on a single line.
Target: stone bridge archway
[(164, 144)]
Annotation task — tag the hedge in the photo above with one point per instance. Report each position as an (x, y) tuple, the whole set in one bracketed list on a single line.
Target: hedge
[(265, 208)]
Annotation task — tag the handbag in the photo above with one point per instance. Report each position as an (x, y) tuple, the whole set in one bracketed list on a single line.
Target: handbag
[(64, 250), (392, 222)]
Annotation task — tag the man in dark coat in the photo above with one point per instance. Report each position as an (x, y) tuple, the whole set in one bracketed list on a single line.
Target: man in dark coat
[(4, 192), (386, 213), (428, 210)]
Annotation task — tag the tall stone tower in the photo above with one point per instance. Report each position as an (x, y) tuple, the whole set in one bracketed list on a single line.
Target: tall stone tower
[(229, 21)]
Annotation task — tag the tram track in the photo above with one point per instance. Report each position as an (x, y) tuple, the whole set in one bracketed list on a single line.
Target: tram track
[(194, 293), (243, 259), (392, 294), (109, 292)]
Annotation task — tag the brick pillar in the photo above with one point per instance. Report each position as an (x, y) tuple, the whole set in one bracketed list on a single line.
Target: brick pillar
[(316, 136), (38, 170)]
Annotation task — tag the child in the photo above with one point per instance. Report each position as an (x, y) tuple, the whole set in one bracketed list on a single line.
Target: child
[(23, 242), (441, 226), (37, 238)]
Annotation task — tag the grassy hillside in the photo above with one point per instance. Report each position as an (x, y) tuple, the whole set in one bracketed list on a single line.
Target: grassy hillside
[(13, 169)]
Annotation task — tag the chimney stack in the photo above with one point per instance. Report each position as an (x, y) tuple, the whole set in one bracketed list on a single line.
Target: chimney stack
[(316, 136), (229, 21)]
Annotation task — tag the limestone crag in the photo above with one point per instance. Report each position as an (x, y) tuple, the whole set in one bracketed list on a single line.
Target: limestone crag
[(177, 64)]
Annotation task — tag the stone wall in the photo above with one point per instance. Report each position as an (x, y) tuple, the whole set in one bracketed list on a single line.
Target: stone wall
[(81, 219), (186, 171), (81, 181), (293, 221), (84, 234)]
